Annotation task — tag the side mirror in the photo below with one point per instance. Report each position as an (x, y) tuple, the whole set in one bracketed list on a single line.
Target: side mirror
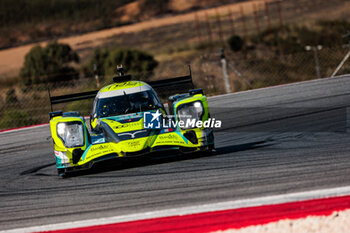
[(93, 123)]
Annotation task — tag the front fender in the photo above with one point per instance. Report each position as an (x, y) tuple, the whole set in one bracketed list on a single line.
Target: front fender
[(67, 156)]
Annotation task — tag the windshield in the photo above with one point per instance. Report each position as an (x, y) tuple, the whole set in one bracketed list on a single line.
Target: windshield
[(127, 103)]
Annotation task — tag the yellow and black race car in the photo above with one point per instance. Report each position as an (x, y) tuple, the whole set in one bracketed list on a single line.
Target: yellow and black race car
[(128, 119)]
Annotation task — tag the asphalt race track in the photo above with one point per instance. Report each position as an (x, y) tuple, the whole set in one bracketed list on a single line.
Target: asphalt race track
[(275, 140)]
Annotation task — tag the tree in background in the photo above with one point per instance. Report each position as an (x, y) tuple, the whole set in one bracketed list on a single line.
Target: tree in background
[(134, 61), (49, 64)]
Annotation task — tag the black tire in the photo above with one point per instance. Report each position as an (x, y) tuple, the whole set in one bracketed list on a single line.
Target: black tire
[(61, 172), (211, 150)]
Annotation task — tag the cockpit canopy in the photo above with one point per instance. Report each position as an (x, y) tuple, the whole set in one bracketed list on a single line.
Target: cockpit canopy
[(126, 103)]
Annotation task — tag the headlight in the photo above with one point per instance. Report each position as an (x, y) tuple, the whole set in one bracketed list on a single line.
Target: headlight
[(71, 133), (190, 112)]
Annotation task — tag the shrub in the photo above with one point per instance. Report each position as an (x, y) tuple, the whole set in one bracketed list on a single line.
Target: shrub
[(11, 97), (49, 64), (236, 43), (134, 61)]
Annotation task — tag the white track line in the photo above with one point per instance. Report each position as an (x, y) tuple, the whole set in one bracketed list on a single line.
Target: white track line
[(260, 201)]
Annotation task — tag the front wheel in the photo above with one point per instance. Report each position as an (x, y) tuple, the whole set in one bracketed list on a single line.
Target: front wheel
[(208, 151)]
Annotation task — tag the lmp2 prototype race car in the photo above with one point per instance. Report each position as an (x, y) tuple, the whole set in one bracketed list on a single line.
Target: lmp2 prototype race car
[(128, 119)]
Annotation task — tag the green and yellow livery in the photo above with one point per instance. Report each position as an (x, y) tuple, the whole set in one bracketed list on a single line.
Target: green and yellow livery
[(117, 125)]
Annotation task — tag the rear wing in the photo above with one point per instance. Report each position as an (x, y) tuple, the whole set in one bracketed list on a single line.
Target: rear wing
[(71, 97), (164, 88)]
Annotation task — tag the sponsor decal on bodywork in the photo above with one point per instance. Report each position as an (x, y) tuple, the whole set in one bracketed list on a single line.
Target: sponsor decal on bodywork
[(98, 150), (62, 156), (62, 160), (132, 135), (170, 139)]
